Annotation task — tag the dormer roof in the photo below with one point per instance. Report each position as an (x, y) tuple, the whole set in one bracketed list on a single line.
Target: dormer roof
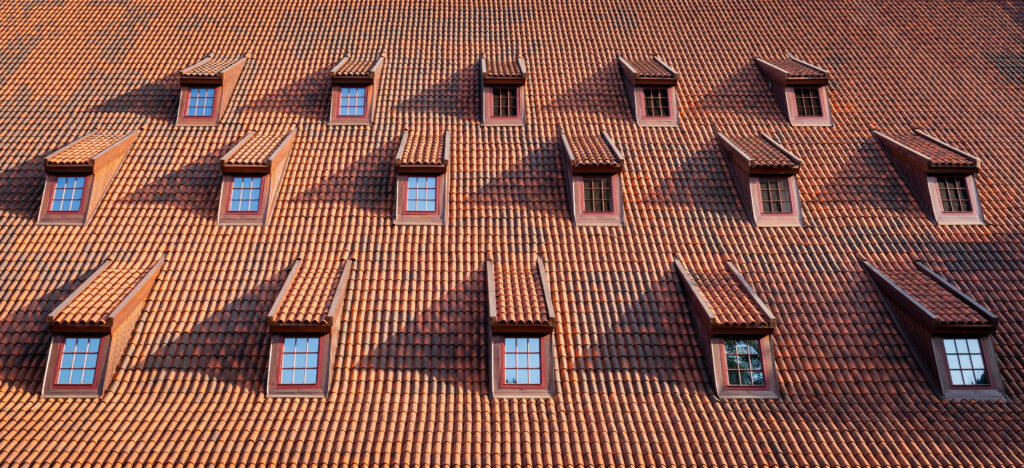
[(518, 293), (791, 71), (211, 70), (310, 298), (759, 154), (648, 70), (91, 152), (503, 70), (724, 300), (925, 152), (424, 150), (591, 151), (256, 153), (104, 299), (357, 70), (930, 299)]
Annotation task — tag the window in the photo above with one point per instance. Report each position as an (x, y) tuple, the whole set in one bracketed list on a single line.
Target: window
[(953, 194), (966, 363), (743, 363), (656, 102), (78, 361), (421, 195), (808, 102), (67, 194), (504, 102), (200, 102), (351, 102), (299, 360), (597, 194), (245, 194), (775, 196), (522, 361)]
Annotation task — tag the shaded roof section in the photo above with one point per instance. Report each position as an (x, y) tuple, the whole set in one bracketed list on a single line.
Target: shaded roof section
[(424, 149), (648, 70), (943, 302), (357, 70), (726, 299), (257, 150), (759, 154), (105, 293), (310, 297), (923, 150), (84, 152), (790, 71), (518, 291), (211, 66), (590, 149)]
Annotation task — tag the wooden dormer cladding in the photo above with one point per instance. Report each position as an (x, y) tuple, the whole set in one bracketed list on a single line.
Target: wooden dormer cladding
[(106, 306), (355, 84), (503, 91), (650, 86), (422, 160), (798, 85), (259, 159), (765, 174), (309, 305), (725, 306), (926, 163), (215, 72), (91, 162), (591, 157), (927, 309), (519, 305)]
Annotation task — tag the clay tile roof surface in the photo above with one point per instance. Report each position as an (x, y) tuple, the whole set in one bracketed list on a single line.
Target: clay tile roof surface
[(503, 67), (355, 66), (938, 156), (591, 148), (730, 303), (423, 148), (763, 153), (648, 67), (210, 66), (947, 307), (309, 294), (796, 69), (101, 296), (519, 292), (84, 149), (255, 149)]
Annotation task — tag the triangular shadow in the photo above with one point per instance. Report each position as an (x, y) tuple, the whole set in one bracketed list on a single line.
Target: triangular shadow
[(309, 96), (536, 183), (21, 187), (743, 93), (448, 97), (590, 96), (368, 182), (156, 99)]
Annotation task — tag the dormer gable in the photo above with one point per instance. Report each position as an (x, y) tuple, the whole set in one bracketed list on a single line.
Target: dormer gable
[(949, 332), (650, 86), (206, 88), (304, 323), (734, 327), (79, 173), (92, 327), (765, 174), (503, 91), (593, 168), (520, 327), (421, 164), (801, 89), (252, 172), (940, 176), (355, 83)]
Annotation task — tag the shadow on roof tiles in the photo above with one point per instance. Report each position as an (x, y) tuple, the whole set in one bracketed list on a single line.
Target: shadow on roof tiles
[(21, 187), (745, 93), (308, 97), (600, 96), (536, 182), (367, 182), (157, 100), (193, 187), (456, 96)]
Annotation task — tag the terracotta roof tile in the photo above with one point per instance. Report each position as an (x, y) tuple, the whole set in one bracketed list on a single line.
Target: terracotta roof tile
[(83, 150), (255, 149), (765, 153), (592, 148), (938, 155), (730, 302), (423, 148), (355, 66), (648, 67), (308, 294), (503, 67), (797, 69), (519, 291), (210, 66), (99, 297), (934, 296)]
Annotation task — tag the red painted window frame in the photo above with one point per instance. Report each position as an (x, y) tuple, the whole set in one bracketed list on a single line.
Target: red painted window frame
[(336, 106), (184, 118), (403, 191), (725, 364), (967, 190), (796, 101), (824, 120), (488, 104), (247, 218), (583, 194), (86, 182), (231, 193), (545, 361), (320, 361), (490, 107), (59, 351)]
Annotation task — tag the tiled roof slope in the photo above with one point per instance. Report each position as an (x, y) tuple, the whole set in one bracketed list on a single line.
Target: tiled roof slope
[(85, 149), (308, 294), (765, 153), (423, 148), (519, 291), (591, 148), (95, 300), (648, 67), (504, 67), (938, 155), (255, 149), (210, 66), (796, 68), (410, 379), (947, 307), (730, 303), (355, 67)]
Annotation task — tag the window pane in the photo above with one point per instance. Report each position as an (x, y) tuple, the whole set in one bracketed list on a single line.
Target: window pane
[(67, 194), (953, 194), (200, 102), (597, 194), (245, 194), (966, 361), (78, 362), (775, 196), (351, 102), (808, 102), (523, 363), (743, 362), (656, 102), (504, 102), (421, 194)]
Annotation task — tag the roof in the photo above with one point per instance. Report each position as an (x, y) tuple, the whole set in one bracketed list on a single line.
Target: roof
[(763, 152), (649, 67), (937, 154), (797, 68), (504, 67), (310, 295), (211, 66), (410, 384), (423, 148), (84, 151), (520, 293), (945, 302), (727, 298), (364, 67), (256, 149), (104, 291), (791, 71), (590, 148)]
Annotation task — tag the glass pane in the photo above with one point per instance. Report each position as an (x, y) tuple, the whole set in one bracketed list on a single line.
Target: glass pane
[(510, 376), (758, 378), (289, 345), (64, 377), (973, 346), (534, 345), (88, 376), (286, 376), (311, 360), (523, 376), (287, 361), (510, 360), (950, 346), (535, 376), (521, 360), (734, 377), (957, 378), (534, 361), (90, 361), (510, 345)]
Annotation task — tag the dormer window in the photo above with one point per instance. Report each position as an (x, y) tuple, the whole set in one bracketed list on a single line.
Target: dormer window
[(650, 89), (743, 363), (939, 175), (422, 178), (252, 172), (800, 88), (206, 88), (78, 175), (593, 166), (502, 84), (300, 361), (765, 174), (67, 194), (523, 360), (949, 332), (354, 90), (79, 360)]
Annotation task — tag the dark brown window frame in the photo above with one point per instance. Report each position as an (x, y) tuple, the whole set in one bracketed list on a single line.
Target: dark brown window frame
[(46, 216), (761, 219), (491, 120), (788, 190), (668, 101), (770, 389), (726, 369), (231, 218), (185, 120), (404, 194), (502, 390), (611, 194), (50, 386), (437, 217), (276, 389), (585, 218)]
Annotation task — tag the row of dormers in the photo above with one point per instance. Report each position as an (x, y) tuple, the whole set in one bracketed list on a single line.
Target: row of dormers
[(948, 332), (801, 89), (940, 176)]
